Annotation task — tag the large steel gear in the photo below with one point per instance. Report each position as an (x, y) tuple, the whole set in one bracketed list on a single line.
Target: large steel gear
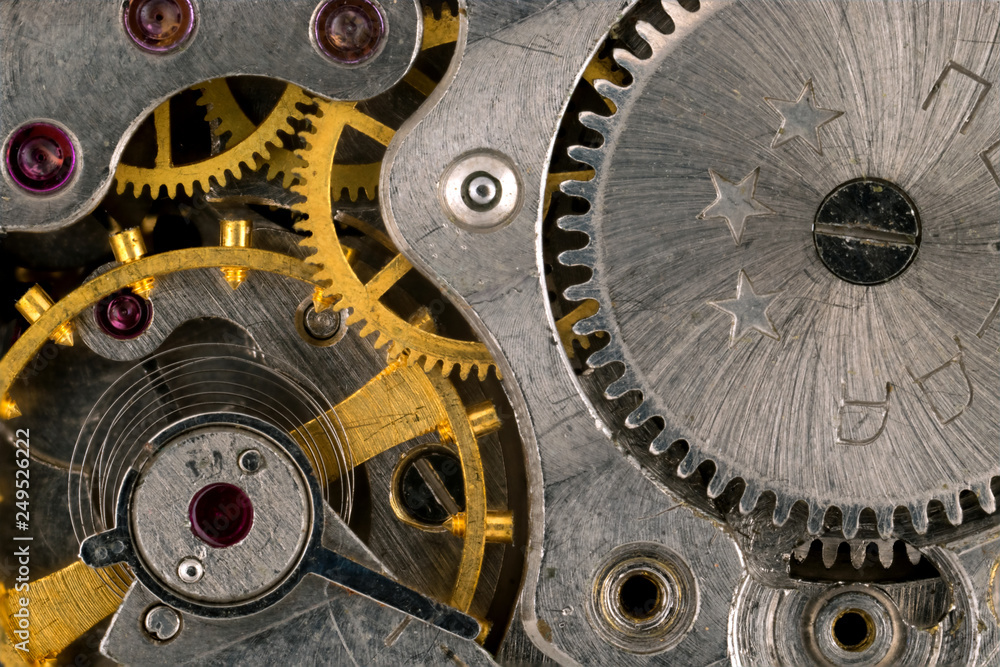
[(792, 237)]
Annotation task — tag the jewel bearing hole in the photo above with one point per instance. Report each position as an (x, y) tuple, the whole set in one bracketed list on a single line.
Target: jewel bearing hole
[(349, 31), (431, 487), (221, 515), (640, 597), (159, 26), (123, 315), (853, 630), (40, 157)]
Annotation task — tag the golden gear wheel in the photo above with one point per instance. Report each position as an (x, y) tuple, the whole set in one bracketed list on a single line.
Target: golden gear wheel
[(317, 185), (259, 145), (221, 106)]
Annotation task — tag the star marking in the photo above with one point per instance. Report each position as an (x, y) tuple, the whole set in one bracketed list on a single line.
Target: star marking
[(735, 202), (802, 119), (748, 310)]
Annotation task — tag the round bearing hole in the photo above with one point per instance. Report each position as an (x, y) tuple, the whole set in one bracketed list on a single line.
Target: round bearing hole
[(221, 515), (854, 630), (640, 596)]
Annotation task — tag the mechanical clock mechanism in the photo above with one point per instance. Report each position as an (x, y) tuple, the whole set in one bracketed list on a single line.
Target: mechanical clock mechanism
[(475, 332)]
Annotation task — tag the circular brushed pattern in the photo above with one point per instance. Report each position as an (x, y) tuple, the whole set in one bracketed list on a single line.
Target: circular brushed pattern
[(706, 269)]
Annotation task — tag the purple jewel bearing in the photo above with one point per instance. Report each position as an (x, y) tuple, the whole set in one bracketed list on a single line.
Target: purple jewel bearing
[(40, 157), (349, 31), (123, 315), (159, 26)]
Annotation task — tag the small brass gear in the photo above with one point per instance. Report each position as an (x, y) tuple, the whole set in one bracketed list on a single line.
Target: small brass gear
[(253, 147)]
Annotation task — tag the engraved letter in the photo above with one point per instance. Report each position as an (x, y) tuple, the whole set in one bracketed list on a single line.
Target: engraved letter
[(941, 388), (952, 65), (985, 155), (856, 424)]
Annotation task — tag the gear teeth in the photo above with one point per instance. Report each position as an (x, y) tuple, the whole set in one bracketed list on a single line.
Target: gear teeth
[(588, 156), (602, 357), (661, 443), (639, 416), (574, 189), (596, 122), (751, 495), (627, 61), (611, 91), (884, 521), (716, 486), (582, 292), (689, 464), (587, 326), (918, 514), (782, 510), (429, 363), (852, 516), (985, 496), (653, 37), (953, 509), (830, 547), (619, 387), (354, 318), (585, 256), (816, 515), (254, 147), (281, 162)]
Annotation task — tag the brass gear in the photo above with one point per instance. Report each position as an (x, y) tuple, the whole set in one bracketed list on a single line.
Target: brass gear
[(317, 185), (322, 183), (258, 147), (222, 108)]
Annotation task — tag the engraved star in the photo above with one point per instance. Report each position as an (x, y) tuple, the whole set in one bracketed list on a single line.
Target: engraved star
[(748, 310), (735, 202), (802, 119)]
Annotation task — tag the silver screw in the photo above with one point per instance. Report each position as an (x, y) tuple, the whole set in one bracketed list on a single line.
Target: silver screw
[(251, 461), (322, 325), (190, 570), (162, 623)]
